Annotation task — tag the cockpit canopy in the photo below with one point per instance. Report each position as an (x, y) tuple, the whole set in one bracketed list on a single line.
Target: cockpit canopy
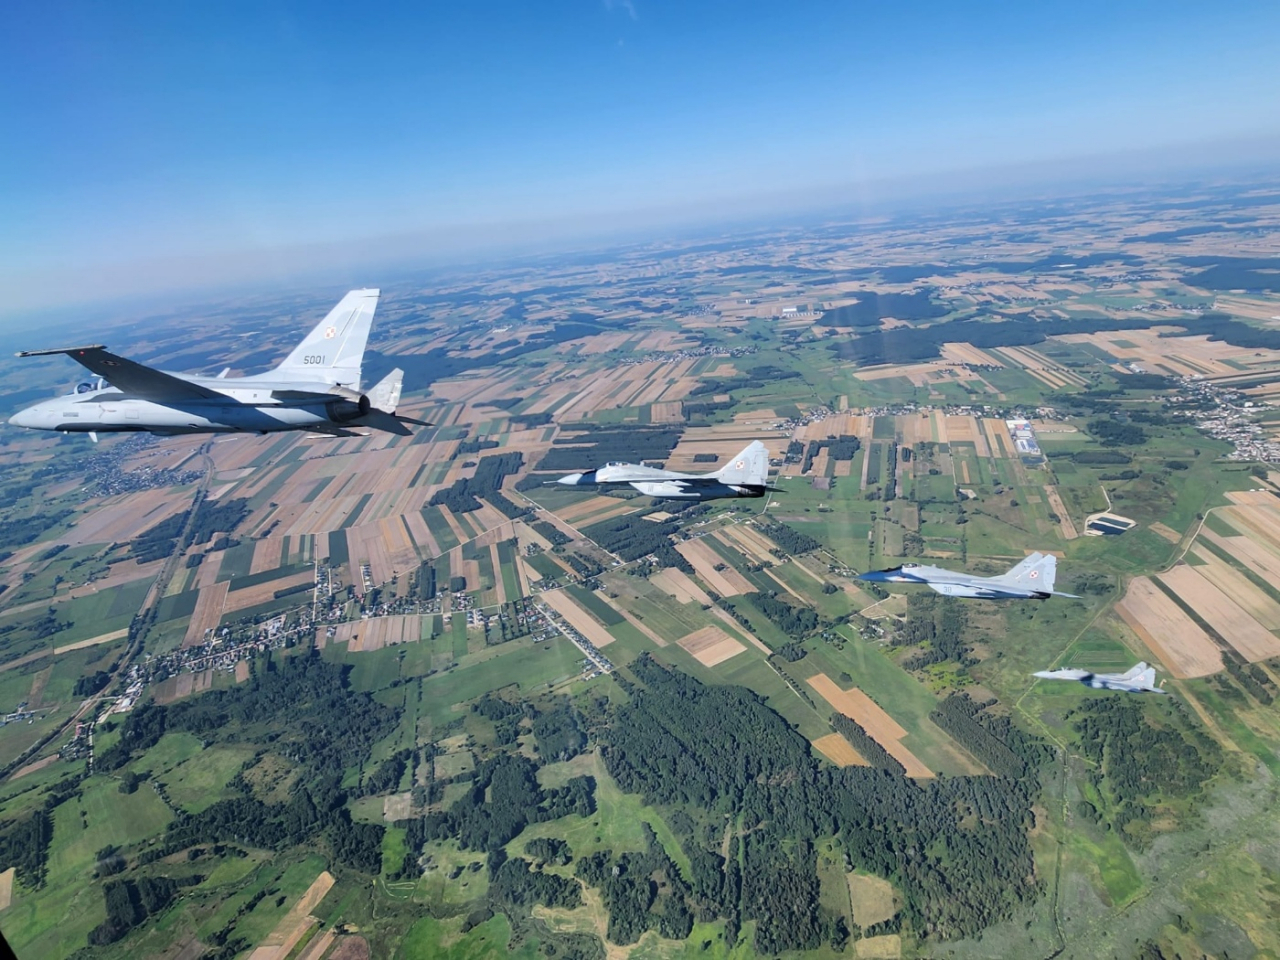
[(89, 386), (618, 463), (909, 566)]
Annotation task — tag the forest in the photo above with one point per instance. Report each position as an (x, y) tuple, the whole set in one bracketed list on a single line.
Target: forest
[(957, 848)]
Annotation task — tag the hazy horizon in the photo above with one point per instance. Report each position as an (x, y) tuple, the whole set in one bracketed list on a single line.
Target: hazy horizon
[(168, 150)]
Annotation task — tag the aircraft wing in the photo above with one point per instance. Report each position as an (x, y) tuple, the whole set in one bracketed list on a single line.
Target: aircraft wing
[(131, 377)]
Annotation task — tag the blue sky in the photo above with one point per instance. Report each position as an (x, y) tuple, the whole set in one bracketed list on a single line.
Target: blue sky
[(153, 145)]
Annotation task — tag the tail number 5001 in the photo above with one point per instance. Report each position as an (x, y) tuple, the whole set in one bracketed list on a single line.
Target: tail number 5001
[(313, 359)]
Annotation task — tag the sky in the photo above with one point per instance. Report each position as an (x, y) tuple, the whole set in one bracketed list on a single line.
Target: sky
[(155, 146)]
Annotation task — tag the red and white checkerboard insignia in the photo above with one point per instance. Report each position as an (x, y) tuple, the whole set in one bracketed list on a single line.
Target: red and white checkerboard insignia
[(330, 333), (1034, 574), (740, 465)]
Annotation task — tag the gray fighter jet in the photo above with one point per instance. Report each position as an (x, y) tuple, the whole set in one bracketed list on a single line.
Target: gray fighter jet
[(1137, 679), (1032, 579), (315, 388), (746, 475)]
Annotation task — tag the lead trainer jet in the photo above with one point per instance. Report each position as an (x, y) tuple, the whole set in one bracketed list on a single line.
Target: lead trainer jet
[(746, 475), (1032, 579), (315, 388)]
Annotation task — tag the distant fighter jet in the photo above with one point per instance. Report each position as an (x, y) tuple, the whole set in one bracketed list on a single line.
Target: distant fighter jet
[(1138, 679), (316, 388), (1032, 579), (746, 475)]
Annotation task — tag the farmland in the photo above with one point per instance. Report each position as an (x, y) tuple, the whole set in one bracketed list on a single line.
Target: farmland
[(435, 587)]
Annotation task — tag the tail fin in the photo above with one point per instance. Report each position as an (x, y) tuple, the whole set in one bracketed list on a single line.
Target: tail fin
[(748, 468), (334, 349), (385, 395), (1037, 572), (1140, 670)]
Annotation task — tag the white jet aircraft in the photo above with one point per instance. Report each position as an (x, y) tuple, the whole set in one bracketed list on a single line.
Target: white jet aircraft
[(315, 388), (746, 475), (1137, 679)]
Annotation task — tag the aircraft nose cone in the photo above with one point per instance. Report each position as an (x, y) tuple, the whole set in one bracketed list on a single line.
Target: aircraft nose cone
[(873, 576), (571, 480), (23, 418)]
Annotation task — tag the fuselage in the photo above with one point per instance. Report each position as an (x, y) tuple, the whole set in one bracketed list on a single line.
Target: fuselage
[(242, 405), (951, 583)]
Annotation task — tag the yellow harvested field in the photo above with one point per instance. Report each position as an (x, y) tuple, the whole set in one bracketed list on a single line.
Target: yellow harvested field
[(727, 582), (94, 641), (183, 685), (18, 775), (679, 585), (317, 947), (967, 353), (242, 671), (1182, 356), (1001, 444), (671, 411), (6, 888), (206, 614), (711, 645), (262, 592), (871, 899), (1252, 498), (279, 943), (1251, 640), (1065, 524), (1177, 640), (839, 751), (749, 541), (1249, 552), (856, 705), (578, 618), (120, 519), (1251, 598), (1160, 530), (267, 554), (888, 947), (366, 636), (964, 429)]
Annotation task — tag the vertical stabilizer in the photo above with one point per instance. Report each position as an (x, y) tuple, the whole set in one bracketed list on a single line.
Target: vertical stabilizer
[(334, 350), (749, 468), (385, 395), (1137, 670), (1037, 572)]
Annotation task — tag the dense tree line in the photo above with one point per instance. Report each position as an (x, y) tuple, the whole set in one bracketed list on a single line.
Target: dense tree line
[(24, 845), (514, 884), (957, 848), (868, 748), (1142, 753), (596, 446), (504, 797), (631, 538), (792, 620), (642, 891), (557, 732), (216, 516), (872, 307), (90, 684), (938, 622), (131, 902), (788, 538), (486, 482), (550, 532), (1004, 749), (1113, 433), (158, 542)]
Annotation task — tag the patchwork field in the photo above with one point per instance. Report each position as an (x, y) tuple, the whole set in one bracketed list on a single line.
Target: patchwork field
[(1183, 648), (711, 645), (886, 731)]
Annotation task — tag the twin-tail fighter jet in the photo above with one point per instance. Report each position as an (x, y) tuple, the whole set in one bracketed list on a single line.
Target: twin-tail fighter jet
[(315, 388), (746, 475), (1032, 579), (1137, 679)]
